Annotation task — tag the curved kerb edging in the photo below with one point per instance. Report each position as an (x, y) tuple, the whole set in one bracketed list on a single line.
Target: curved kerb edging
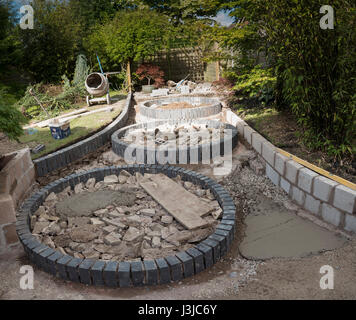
[(74, 152), (213, 108), (183, 155), (325, 198), (126, 274)]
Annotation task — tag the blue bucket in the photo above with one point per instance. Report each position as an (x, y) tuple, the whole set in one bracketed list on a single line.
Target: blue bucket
[(60, 130)]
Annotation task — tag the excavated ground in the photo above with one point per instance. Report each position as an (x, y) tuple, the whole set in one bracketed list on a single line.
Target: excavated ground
[(277, 252), (234, 277)]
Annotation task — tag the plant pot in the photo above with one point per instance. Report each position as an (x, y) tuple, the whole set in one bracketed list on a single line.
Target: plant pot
[(148, 88)]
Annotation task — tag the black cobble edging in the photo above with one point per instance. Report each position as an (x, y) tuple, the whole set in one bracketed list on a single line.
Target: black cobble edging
[(180, 155), (74, 152), (128, 274)]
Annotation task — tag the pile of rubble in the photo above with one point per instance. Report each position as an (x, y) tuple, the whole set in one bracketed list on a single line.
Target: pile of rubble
[(187, 86), (185, 134), (116, 219)]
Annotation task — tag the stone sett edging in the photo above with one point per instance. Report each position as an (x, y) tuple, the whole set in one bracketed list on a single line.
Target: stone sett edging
[(74, 152), (128, 274), (213, 108), (330, 201), (193, 154)]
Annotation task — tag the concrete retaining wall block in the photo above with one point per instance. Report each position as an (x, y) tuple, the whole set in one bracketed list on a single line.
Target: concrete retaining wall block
[(257, 140), (10, 234), (272, 175), (241, 127), (330, 214), (345, 199), (285, 185), (305, 179), (298, 196), (292, 168), (280, 163), (7, 212), (350, 223), (248, 134), (312, 204), (323, 188), (268, 152)]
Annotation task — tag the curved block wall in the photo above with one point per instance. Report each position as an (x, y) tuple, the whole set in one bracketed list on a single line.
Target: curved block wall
[(213, 107)]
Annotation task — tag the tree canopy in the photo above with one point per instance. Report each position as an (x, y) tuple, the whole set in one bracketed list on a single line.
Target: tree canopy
[(314, 68), (131, 36)]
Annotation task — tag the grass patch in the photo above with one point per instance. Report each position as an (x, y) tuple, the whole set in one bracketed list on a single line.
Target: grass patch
[(80, 128)]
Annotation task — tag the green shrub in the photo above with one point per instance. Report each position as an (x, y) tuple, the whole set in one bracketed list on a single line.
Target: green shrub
[(11, 119), (81, 70), (53, 105), (316, 70), (256, 84)]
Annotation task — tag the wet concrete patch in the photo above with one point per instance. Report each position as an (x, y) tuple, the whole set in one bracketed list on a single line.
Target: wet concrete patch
[(83, 204), (274, 232)]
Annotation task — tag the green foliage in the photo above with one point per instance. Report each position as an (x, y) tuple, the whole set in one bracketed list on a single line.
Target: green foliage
[(11, 120), (118, 81), (243, 42), (316, 69), (49, 50), (130, 37), (89, 12), (255, 86), (72, 93), (9, 45), (180, 10), (254, 83), (81, 70), (54, 105)]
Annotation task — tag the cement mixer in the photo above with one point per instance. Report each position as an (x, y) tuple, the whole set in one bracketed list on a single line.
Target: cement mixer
[(97, 85)]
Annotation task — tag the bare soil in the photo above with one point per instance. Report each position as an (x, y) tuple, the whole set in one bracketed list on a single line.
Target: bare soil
[(283, 131), (8, 146), (233, 278)]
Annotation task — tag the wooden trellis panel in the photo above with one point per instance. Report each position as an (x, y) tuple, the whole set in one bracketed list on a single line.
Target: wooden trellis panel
[(178, 63)]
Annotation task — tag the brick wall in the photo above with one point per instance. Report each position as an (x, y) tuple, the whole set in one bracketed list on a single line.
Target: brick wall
[(16, 178), (330, 201)]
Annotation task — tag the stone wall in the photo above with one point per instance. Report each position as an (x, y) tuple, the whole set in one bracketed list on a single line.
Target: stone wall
[(330, 201), (16, 179)]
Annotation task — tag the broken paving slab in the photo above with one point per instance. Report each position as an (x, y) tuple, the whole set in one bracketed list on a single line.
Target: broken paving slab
[(184, 206), (83, 204), (278, 233)]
